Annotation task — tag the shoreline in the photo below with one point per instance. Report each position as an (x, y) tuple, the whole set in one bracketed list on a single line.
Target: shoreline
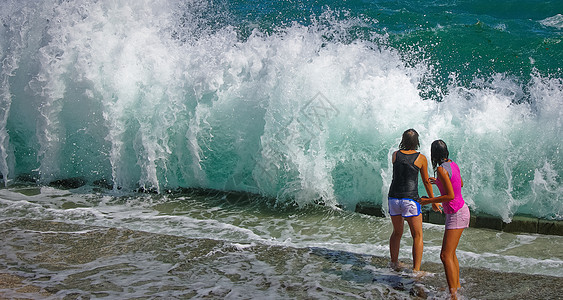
[(519, 223)]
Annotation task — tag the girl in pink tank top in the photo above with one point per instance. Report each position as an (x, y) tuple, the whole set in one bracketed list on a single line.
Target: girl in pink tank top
[(452, 206), (457, 213)]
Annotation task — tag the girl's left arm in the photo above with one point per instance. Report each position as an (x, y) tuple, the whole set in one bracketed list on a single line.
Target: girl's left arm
[(424, 175)]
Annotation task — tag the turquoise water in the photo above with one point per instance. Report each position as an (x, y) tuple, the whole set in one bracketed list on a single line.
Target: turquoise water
[(301, 101), (291, 102)]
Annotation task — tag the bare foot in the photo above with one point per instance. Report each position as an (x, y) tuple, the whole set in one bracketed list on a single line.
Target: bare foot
[(397, 266)]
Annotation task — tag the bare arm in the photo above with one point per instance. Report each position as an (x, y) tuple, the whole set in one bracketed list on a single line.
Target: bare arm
[(445, 179), (424, 174)]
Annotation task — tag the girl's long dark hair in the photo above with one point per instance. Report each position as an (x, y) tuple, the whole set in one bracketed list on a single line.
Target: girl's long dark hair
[(438, 153), (409, 140)]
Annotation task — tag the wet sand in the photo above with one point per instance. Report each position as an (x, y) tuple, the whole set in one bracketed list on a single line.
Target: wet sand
[(43, 259)]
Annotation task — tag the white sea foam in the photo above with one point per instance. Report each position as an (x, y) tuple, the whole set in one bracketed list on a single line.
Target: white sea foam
[(244, 229), (555, 21)]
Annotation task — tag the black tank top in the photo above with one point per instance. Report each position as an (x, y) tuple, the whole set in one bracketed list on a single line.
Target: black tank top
[(405, 176)]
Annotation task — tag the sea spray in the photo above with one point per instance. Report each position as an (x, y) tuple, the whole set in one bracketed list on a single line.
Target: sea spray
[(156, 96)]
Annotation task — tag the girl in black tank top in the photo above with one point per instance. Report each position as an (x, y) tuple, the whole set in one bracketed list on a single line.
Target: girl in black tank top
[(405, 176), (404, 185)]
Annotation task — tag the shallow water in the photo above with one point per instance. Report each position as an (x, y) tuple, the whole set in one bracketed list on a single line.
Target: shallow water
[(226, 246), (115, 263)]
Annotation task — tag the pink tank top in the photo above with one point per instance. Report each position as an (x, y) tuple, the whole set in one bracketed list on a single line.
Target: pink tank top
[(452, 206)]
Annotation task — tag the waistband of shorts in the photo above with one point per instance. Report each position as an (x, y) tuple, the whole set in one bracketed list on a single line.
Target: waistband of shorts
[(464, 205), (393, 198)]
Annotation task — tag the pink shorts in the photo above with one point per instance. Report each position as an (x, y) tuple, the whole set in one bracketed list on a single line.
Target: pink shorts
[(458, 220)]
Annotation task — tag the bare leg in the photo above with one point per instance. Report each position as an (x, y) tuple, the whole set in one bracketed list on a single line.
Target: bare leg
[(449, 259), (395, 240), (415, 225), (456, 263)]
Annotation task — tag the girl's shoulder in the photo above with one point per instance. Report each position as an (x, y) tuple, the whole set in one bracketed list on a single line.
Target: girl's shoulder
[(454, 164), (447, 166)]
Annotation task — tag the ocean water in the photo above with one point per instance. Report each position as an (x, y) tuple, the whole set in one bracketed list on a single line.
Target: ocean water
[(297, 106), (296, 100)]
